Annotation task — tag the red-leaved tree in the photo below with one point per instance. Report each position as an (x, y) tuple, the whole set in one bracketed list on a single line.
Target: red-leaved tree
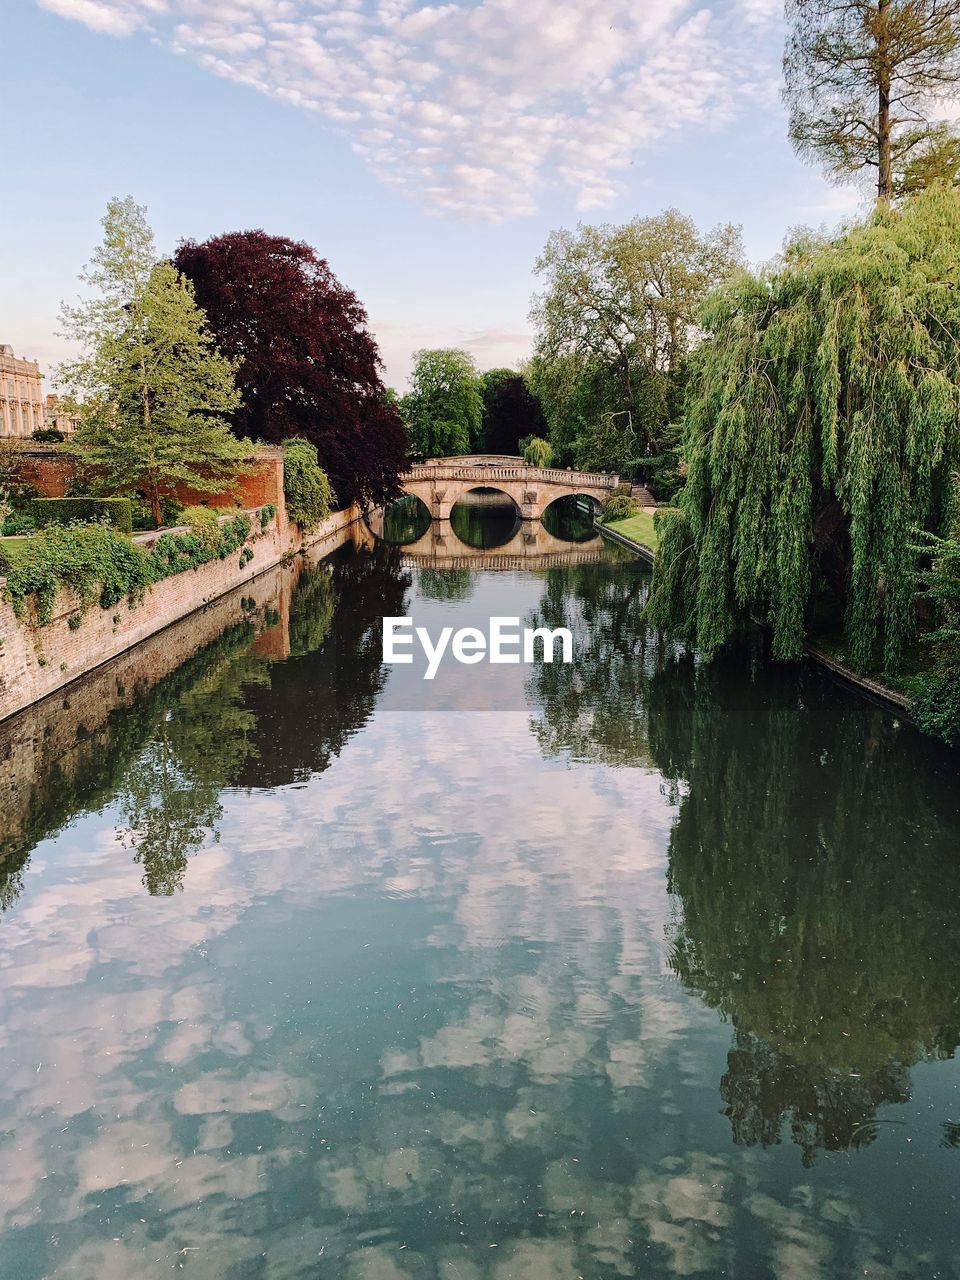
[(309, 365)]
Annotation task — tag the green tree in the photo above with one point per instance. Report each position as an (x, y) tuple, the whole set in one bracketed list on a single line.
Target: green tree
[(537, 452), (619, 308), (789, 866), (306, 487), (444, 408), (862, 78), (936, 159), (154, 388), (574, 391), (821, 428), (937, 693)]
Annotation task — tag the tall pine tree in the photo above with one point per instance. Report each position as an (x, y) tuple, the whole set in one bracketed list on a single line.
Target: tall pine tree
[(151, 385)]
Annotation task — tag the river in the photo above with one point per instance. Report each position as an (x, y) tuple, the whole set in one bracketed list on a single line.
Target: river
[(635, 967)]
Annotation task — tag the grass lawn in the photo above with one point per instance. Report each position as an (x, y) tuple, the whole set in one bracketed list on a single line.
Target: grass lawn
[(639, 528), (10, 547)]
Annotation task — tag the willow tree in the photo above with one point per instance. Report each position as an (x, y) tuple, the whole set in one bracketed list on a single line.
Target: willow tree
[(821, 426)]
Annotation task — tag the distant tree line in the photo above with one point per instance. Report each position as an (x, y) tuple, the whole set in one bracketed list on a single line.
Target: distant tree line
[(452, 409)]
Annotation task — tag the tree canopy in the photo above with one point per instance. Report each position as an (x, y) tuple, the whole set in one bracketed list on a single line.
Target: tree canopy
[(862, 78), (616, 320), (511, 412), (154, 388), (307, 363), (821, 429), (444, 408)]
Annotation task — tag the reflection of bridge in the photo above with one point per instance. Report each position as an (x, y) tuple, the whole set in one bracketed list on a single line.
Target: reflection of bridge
[(530, 547), (441, 482)]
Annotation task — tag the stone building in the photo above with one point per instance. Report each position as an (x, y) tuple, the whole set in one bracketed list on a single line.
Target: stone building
[(21, 395), (56, 416)]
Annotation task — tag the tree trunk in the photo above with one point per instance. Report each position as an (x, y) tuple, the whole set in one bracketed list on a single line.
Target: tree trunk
[(155, 509), (884, 75)]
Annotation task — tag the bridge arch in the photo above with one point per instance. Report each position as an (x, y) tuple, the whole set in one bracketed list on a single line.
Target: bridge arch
[(485, 517), (401, 522), (571, 516)]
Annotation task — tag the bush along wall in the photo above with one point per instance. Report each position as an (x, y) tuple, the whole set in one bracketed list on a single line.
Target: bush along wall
[(117, 512), (102, 567)]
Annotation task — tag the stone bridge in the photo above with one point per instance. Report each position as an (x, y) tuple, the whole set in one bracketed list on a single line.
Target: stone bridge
[(441, 482), (529, 547)]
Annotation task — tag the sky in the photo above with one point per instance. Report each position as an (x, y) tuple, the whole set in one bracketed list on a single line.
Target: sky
[(425, 150)]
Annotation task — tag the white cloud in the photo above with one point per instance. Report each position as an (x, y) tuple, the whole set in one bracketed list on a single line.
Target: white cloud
[(474, 108)]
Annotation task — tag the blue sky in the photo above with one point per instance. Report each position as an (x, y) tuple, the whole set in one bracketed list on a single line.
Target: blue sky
[(425, 150)]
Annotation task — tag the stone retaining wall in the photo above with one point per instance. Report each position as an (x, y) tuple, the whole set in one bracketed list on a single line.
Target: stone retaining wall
[(37, 661)]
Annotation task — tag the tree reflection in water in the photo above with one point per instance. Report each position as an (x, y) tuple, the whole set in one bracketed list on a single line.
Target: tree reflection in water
[(213, 738), (829, 939), (165, 757), (815, 880), (169, 793), (596, 708), (804, 915)]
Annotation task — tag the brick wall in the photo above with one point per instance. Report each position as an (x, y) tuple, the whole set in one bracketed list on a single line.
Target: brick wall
[(38, 661), (50, 471)]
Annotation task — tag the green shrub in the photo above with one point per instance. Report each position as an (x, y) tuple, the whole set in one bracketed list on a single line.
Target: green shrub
[(204, 523), (618, 507), (266, 514), (116, 512), (537, 452), (171, 509), (936, 705), (49, 435), (141, 515), (306, 487), (176, 552), (18, 522)]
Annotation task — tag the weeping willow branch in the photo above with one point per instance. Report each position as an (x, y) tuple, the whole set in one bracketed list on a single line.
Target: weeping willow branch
[(821, 427)]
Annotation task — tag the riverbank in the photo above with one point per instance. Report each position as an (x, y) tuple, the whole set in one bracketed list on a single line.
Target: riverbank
[(634, 533), (36, 661), (639, 535)]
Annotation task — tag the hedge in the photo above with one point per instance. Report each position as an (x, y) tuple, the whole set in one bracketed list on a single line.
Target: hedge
[(116, 512)]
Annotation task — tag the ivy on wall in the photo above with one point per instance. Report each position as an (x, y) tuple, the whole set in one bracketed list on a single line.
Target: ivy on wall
[(102, 567)]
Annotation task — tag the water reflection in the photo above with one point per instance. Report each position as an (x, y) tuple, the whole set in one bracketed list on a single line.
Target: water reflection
[(817, 879), (402, 521), (163, 730), (584, 987), (571, 518), (484, 519)]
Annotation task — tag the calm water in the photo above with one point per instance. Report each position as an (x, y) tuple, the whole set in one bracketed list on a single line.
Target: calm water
[(634, 968)]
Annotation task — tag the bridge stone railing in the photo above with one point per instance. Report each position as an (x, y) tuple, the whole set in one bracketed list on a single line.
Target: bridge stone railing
[(447, 469)]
